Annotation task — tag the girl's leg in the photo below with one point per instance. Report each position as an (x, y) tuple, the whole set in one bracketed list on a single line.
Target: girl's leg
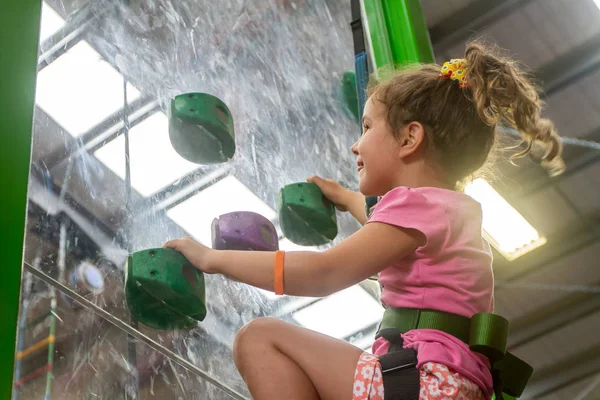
[(279, 360)]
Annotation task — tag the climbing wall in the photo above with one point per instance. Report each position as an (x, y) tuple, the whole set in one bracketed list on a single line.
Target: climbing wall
[(106, 181)]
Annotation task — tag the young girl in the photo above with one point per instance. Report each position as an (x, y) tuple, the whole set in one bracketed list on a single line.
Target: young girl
[(426, 130)]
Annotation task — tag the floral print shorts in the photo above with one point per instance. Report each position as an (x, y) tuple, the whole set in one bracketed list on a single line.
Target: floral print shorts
[(437, 382)]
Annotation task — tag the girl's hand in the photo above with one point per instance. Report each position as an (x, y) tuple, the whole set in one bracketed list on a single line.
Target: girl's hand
[(196, 253), (336, 193)]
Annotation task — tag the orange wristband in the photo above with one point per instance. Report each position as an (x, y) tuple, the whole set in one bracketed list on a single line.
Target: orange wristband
[(278, 276)]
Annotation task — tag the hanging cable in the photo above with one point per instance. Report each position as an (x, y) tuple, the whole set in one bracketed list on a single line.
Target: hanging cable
[(581, 143), (127, 159), (131, 341), (589, 144)]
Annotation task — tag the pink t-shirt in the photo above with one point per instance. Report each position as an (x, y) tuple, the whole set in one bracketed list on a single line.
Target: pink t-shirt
[(451, 272)]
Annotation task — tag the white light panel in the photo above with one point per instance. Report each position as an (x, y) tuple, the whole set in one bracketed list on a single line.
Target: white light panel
[(79, 89), (341, 314), (504, 227), (153, 161), (196, 214), (51, 22)]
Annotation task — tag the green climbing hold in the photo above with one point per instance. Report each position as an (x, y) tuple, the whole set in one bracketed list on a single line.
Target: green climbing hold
[(346, 94), (306, 216), (163, 289), (201, 128)]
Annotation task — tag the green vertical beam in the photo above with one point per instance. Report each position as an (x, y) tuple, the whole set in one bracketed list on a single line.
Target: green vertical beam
[(409, 36), (397, 33), (376, 34), (19, 35)]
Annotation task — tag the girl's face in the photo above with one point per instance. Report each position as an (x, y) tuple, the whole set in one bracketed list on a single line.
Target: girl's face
[(377, 153)]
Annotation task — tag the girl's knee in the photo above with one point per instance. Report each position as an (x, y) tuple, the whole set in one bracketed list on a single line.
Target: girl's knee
[(253, 335)]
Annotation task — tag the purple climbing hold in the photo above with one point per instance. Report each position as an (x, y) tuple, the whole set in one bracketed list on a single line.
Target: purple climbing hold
[(244, 230)]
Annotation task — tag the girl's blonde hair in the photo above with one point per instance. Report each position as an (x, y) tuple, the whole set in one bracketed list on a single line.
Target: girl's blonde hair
[(461, 123)]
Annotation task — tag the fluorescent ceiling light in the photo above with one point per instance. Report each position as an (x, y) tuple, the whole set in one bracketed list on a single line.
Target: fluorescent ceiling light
[(153, 161), (341, 314), (79, 89), (503, 226), (51, 22), (196, 214)]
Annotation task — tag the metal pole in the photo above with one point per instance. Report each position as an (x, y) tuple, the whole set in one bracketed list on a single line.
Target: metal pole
[(131, 341), (51, 334)]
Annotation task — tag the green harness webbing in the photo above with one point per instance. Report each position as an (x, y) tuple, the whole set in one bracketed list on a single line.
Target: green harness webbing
[(484, 333)]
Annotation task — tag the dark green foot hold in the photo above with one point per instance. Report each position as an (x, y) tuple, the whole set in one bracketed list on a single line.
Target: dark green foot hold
[(307, 217), (163, 290), (346, 94), (201, 128)]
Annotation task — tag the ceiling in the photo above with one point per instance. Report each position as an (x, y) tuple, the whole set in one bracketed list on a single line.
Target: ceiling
[(276, 66)]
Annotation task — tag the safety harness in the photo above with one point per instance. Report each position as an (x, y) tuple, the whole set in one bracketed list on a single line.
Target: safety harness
[(484, 333)]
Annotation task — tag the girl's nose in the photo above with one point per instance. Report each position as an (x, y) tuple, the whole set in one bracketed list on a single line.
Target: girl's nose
[(354, 148)]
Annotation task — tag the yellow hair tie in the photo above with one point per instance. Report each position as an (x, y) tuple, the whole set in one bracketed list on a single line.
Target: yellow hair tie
[(455, 69)]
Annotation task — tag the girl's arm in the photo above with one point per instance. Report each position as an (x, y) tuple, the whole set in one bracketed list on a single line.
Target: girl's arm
[(367, 252), (356, 205)]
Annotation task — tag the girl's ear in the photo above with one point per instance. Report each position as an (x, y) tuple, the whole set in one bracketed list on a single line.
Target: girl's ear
[(412, 136)]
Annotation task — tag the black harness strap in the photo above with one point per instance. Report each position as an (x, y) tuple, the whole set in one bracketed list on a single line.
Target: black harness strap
[(401, 379), (392, 335)]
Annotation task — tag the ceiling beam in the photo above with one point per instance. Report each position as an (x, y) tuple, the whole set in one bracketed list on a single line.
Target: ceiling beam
[(552, 317), (570, 67), (471, 19), (65, 38), (563, 374), (589, 390)]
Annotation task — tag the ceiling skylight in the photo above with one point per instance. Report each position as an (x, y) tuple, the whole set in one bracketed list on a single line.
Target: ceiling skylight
[(196, 214), (51, 22), (341, 314), (503, 226), (154, 163), (79, 89)]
